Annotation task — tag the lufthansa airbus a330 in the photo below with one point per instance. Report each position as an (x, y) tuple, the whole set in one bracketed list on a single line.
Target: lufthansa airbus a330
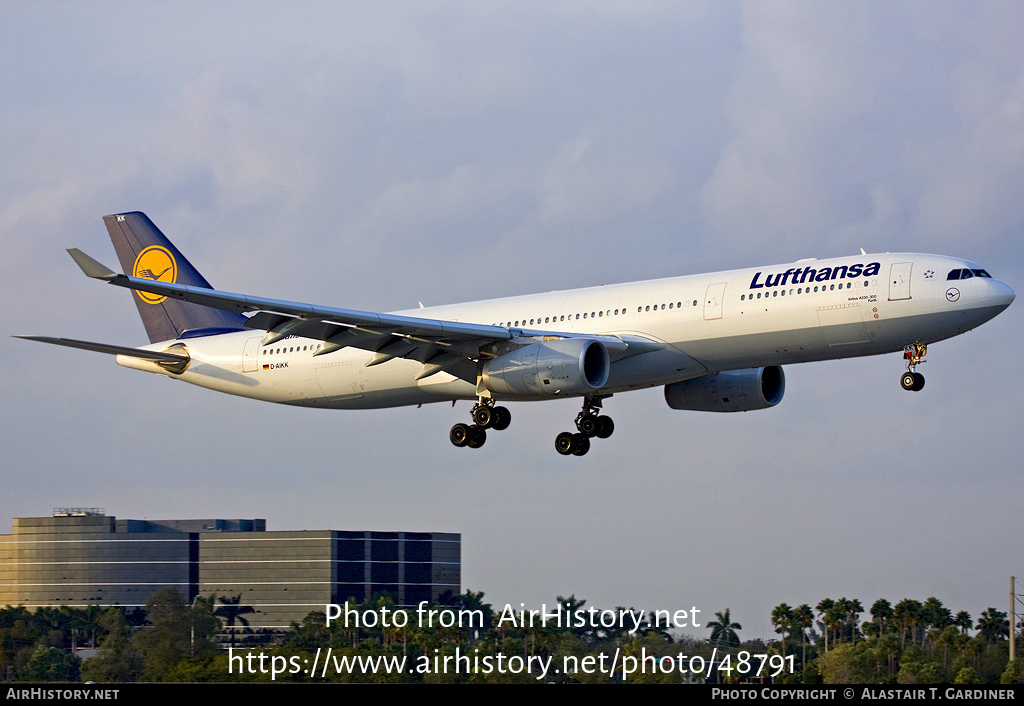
[(716, 342)]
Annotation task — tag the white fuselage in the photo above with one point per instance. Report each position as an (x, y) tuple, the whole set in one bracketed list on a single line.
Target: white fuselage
[(793, 313)]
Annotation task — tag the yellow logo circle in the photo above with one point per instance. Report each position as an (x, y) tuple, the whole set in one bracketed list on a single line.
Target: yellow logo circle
[(155, 263)]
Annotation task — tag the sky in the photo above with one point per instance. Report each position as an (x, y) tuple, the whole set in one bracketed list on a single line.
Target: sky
[(376, 155)]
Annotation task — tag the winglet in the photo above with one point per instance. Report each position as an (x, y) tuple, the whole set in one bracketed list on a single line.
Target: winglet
[(89, 266)]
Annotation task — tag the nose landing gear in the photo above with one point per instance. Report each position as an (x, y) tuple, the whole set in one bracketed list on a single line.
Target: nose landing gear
[(913, 354)]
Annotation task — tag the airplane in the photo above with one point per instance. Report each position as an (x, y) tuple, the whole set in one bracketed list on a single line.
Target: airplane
[(716, 342)]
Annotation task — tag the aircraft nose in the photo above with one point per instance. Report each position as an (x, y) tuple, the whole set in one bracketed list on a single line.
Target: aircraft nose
[(1001, 294)]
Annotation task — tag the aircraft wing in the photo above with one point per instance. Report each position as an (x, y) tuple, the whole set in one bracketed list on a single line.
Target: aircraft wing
[(438, 344)]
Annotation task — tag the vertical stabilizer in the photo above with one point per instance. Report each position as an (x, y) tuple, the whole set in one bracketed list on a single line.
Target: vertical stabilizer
[(146, 252)]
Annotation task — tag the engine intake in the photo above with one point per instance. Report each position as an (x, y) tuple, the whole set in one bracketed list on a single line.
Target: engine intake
[(567, 366), (729, 391)]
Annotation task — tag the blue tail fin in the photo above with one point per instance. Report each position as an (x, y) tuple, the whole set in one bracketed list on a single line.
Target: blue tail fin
[(146, 252)]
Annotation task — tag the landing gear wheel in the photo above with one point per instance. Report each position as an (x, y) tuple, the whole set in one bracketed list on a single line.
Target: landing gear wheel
[(605, 427), (483, 416), (501, 418), (909, 380), (580, 444), (477, 437), (588, 425), (460, 435), (918, 382), (564, 443)]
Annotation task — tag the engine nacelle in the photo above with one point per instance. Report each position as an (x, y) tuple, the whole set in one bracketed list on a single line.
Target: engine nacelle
[(565, 366), (729, 391)]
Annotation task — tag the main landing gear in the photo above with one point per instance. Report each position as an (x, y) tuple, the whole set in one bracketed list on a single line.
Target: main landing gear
[(589, 425), (485, 416), (913, 354)]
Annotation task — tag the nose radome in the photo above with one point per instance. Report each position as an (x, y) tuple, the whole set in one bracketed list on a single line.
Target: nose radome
[(1002, 294)]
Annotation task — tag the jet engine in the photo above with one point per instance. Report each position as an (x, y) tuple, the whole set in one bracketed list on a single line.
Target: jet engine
[(729, 391), (565, 366)]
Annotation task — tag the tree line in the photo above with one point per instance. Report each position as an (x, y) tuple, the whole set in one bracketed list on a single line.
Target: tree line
[(910, 642), (174, 640)]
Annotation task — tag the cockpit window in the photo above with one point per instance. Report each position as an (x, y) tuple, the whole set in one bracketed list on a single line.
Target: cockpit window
[(967, 274)]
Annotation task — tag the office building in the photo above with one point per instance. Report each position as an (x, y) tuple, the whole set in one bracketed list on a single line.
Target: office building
[(81, 557)]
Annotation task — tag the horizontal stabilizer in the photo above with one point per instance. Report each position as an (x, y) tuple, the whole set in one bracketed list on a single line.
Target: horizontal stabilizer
[(155, 356), (91, 267)]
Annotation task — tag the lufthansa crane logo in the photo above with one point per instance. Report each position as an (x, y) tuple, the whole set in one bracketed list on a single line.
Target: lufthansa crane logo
[(155, 263)]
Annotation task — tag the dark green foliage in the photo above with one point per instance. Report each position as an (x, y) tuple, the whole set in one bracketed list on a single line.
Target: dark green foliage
[(911, 642)]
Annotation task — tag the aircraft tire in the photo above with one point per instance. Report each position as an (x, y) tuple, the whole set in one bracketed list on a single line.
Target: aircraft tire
[(564, 443), (477, 437), (908, 380), (484, 416), (460, 434), (580, 445), (605, 427), (918, 382), (588, 425), (502, 418)]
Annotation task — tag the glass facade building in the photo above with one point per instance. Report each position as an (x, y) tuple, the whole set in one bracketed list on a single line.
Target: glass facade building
[(88, 558)]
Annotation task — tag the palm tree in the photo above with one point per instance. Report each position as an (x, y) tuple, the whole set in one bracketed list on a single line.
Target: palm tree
[(231, 610), (946, 637), (723, 630), (473, 603), (803, 616), (963, 621), (935, 614), (881, 610), (850, 610), (826, 607), (908, 614), (993, 625), (782, 619)]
